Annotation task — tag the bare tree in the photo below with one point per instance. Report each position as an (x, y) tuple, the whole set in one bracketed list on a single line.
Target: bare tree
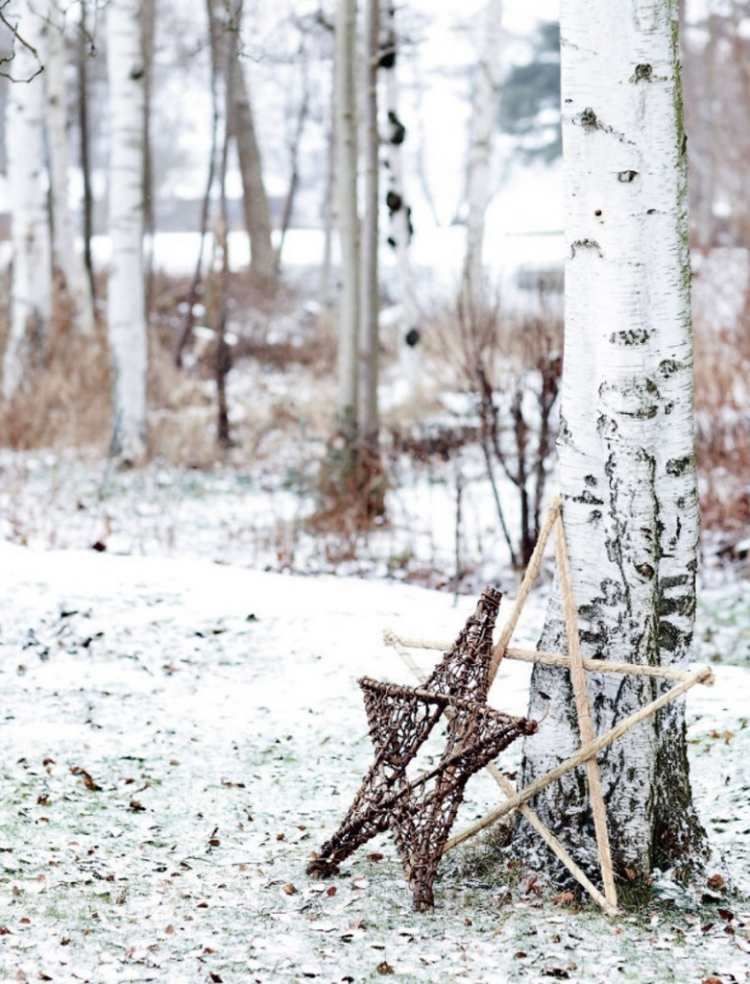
[(348, 222), (370, 302), (126, 301), (67, 262), (255, 198), (31, 289)]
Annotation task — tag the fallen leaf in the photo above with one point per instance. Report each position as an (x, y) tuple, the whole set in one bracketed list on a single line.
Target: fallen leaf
[(564, 898), (136, 806), (385, 968), (289, 889), (88, 779), (717, 883), (331, 891)]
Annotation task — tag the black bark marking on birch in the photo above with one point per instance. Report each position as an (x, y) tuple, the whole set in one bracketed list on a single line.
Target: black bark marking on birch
[(587, 498), (394, 202), (675, 581), (626, 177), (678, 466), (398, 130), (585, 244), (590, 480), (588, 120), (630, 336), (668, 367), (642, 73)]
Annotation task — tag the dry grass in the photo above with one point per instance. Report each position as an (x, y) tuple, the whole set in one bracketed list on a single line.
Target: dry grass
[(722, 360), (64, 399)]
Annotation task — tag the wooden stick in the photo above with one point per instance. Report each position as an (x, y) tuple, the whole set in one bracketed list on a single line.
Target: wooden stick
[(583, 712), (581, 756), (556, 659), (529, 815), (532, 572)]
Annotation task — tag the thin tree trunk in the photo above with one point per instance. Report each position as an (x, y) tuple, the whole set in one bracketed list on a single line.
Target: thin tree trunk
[(329, 203), (84, 147), (294, 149), (148, 27), (254, 198), (31, 290), (126, 301), (348, 221), (370, 303), (195, 283), (626, 441), (480, 184), (67, 262), (229, 46)]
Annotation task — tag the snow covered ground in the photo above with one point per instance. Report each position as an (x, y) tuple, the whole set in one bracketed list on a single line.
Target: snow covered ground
[(179, 735)]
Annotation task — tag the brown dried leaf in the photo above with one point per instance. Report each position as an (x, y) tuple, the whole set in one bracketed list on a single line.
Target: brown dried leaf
[(289, 889), (88, 779), (385, 968), (717, 883)]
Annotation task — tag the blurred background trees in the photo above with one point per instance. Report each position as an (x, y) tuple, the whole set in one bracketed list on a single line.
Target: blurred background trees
[(338, 242)]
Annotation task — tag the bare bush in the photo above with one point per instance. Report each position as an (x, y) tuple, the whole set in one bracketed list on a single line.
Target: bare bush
[(511, 366), (723, 426)]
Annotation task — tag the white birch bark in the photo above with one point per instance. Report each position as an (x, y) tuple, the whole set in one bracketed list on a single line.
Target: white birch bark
[(126, 301), (31, 289), (627, 464), (370, 301), (481, 177), (67, 262), (348, 219), (399, 212)]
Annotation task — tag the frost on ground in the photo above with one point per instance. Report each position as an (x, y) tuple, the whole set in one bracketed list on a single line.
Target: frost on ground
[(178, 736)]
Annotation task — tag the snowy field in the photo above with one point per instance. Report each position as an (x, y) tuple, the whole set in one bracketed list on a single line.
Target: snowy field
[(179, 735)]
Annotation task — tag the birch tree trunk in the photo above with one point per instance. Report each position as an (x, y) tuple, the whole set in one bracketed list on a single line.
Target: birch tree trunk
[(67, 262), (627, 462), (84, 148), (126, 301), (255, 199), (31, 289), (370, 302), (481, 174), (348, 220), (400, 229)]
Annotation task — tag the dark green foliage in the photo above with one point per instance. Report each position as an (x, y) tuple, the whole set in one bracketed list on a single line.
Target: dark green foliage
[(530, 99)]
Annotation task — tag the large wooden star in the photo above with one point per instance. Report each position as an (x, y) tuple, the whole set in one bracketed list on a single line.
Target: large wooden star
[(420, 811)]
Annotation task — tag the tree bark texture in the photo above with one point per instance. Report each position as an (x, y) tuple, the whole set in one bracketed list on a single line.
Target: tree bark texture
[(31, 289), (348, 220), (627, 466), (126, 300), (67, 262)]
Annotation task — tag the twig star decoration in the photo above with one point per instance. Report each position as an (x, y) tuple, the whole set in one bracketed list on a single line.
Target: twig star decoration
[(591, 744), (420, 812)]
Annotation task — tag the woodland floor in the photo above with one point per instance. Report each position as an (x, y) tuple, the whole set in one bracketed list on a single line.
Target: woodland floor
[(179, 735)]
